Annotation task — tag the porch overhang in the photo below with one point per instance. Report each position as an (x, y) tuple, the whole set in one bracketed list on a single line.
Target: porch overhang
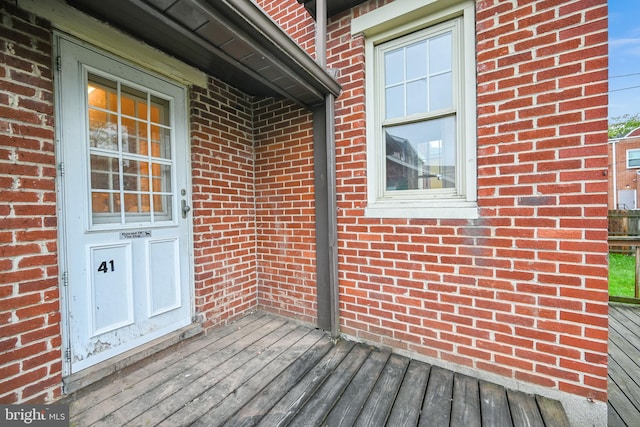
[(233, 40), (333, 6)]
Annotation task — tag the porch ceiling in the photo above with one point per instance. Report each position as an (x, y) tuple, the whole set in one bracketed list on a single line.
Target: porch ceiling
[(233, 40)]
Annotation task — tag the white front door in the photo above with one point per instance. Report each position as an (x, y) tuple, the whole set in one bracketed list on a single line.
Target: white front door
[(124, 151)]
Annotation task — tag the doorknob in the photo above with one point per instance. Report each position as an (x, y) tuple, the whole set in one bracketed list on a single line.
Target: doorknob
[(185, 208)]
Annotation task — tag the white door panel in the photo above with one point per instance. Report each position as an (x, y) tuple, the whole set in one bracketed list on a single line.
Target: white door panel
[(125, 152)]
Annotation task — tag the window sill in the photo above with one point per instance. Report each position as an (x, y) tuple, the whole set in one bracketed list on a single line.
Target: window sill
[(425, 210)]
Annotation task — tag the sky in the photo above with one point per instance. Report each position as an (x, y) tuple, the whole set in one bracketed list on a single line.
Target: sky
[(624, 57)]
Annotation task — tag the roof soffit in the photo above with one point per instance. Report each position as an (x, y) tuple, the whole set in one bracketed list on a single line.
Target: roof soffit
[(230, 39)]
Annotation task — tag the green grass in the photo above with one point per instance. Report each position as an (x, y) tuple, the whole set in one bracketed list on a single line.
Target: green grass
[(622, 273)]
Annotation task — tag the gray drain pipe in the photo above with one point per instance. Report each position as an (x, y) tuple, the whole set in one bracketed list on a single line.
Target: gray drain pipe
[(326, 205)]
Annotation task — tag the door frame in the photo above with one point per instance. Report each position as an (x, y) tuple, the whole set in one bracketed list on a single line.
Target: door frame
[(61, 196)]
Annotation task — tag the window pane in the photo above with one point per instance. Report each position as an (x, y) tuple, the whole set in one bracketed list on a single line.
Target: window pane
[(421, 155), (160, 142), (417, 97), (133, 102), (134, 136), (161, 178), (441, 92), (105, 207), (394, 102), (135, 176), (137, 207), (103, 130), (105, 173), (394, 67), (160, 111), (102, 93), (162, 207), (440, 50), (417, 60)]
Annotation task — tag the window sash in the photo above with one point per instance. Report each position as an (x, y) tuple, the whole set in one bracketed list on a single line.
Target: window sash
[(427, 117)]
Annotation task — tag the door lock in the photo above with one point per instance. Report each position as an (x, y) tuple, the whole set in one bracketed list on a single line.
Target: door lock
[(185, 208)]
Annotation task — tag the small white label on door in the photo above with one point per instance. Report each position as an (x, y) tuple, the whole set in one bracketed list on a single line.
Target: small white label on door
[(124, 235)]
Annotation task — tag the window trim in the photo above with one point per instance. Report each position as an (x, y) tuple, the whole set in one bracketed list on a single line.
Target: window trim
[(411, 18)]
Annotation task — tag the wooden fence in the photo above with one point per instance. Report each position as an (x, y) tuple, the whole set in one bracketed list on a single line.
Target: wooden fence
[(624, 223), (624, 237)]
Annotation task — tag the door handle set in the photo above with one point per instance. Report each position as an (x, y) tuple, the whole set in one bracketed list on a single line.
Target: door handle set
[(185, 208)]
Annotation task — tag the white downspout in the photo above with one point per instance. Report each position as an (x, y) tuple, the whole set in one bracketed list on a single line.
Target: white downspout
[(615, 173)]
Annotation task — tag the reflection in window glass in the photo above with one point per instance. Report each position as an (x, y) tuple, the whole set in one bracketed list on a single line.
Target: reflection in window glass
[(421, 155), (105, 173), (129, 137)]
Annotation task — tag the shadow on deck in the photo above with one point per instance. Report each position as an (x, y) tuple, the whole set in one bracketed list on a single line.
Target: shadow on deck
[(267, 371), (624, 364)]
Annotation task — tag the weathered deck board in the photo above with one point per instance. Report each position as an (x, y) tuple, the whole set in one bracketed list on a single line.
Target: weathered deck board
[(494, 405), (466, 402), (346, 410), (266, 398), (189, 393), (614, 419), (376, 409), (631, 312), (624, 364), (122, 386), (524, 409), (316, 408), (159, 403), (436, 410), (162, 382), (552, 412), (408, 402), (297, 396), (267, 371), (241, 395)]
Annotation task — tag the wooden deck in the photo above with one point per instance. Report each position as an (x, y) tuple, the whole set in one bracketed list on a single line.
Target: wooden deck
[(624, 364), (267, 371)]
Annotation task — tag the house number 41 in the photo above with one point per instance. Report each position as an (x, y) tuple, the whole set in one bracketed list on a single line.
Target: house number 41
[(106, 266)]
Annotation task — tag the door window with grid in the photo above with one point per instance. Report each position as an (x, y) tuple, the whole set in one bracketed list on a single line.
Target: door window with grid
[(131, 164)]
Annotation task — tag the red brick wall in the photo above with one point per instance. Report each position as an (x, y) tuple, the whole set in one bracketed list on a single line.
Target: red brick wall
[(293, 19), (542, 126), (30, 354), (223, 203), (522, 291), (285, 209)]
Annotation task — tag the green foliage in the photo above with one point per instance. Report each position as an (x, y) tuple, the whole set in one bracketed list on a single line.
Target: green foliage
[(622, 274), (620, 126)]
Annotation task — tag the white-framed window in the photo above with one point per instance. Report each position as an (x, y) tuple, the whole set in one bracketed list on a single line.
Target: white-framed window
[(633, 158), (421, 121)]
